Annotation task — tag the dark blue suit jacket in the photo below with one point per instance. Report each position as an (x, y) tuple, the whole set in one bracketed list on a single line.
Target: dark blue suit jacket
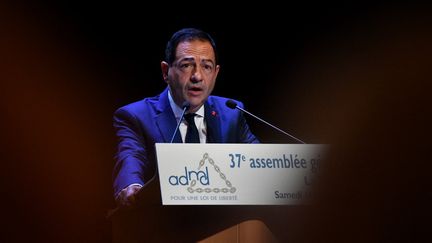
[(142, 124)]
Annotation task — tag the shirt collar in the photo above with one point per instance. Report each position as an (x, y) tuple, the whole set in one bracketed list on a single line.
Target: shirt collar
[(178, 110)]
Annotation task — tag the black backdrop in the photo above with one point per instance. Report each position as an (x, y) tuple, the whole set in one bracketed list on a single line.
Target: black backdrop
[(68, 65), (260, 46)]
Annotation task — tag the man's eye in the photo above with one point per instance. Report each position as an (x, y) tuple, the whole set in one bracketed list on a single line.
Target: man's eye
[(186, 65), (208, 67)]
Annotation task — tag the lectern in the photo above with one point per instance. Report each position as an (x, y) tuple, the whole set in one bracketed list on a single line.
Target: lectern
[(202, 189)]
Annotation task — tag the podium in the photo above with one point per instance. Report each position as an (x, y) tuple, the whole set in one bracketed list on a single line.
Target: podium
[(151, 221)]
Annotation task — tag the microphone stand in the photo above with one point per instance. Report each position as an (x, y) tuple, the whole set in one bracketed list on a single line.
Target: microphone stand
[(186, 106), (232, 104)]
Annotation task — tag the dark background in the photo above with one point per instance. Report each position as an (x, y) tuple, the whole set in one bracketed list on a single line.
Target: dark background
[(68, 65), (260, 46)]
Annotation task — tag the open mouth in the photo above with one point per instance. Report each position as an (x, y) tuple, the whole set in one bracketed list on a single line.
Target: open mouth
[(195, 90)]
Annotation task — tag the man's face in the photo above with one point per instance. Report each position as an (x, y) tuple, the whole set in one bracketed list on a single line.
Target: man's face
[(193, 73)]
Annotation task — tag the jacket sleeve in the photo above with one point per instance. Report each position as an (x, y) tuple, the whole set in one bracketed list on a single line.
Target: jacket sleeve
[(131, 157)]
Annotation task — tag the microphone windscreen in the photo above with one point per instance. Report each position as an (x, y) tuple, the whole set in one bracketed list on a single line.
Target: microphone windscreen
[(231, 104), (186, 105)]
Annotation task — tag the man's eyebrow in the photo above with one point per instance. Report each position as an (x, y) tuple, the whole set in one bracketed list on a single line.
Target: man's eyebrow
[(208, 60), (191, 59), (187, 59)]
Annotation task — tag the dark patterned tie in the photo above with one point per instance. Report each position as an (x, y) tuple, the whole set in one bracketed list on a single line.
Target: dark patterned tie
[(192, 135)]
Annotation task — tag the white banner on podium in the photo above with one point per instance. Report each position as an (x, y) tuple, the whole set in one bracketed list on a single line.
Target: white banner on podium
[(237, 174)]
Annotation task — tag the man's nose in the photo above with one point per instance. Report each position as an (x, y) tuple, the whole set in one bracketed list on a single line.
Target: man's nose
[(197, 75)]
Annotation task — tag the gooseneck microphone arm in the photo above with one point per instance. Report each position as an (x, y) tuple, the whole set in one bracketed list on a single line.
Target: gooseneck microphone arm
[(185, 107), (233, 105)]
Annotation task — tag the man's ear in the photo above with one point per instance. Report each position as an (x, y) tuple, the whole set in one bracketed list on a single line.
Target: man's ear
[(165, 68), (217, 69)]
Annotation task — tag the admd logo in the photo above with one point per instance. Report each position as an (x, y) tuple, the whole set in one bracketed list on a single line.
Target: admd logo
[(199, 180)]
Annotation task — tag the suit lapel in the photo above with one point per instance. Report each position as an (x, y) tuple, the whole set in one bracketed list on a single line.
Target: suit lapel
[(166, 120), (213, 123), (167, 123)]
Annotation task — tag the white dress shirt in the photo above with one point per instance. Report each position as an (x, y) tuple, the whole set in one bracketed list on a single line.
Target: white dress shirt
[(199, 120)]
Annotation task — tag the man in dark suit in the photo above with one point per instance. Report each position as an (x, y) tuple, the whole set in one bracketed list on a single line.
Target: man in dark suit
[(190, 70)]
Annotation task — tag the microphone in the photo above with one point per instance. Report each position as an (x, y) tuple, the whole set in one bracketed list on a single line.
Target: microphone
[(185, 106), (233, 105)]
